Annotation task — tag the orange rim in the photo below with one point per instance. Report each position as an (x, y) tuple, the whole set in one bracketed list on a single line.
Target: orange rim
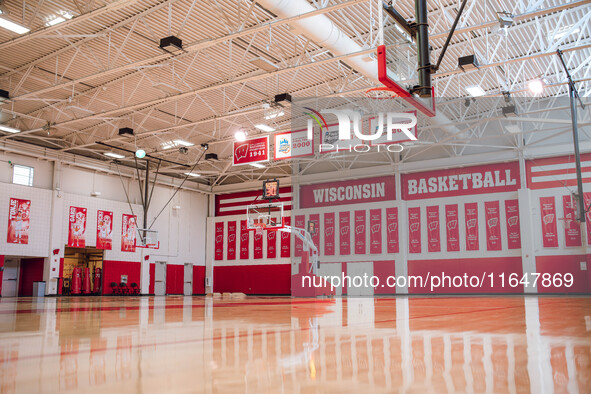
[(382, 89)]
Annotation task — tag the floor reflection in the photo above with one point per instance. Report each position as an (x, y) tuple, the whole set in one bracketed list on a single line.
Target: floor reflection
[(197, 344)]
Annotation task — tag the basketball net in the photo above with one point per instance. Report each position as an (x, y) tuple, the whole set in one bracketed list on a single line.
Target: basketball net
[(258, 228)]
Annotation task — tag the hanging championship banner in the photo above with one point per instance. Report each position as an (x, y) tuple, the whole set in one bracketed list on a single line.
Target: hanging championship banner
[(451, 228), (231, 240), (471, 213), (359, 232), (548, 216), (285, 239), (414, 230), (375, 231), (18, 221), (572, 228), (293, 144), (392, 230), (434, 237), (587, 199), (252, 151), (493, 225), (315, 220), (258, 245), (345, 233), (329, 226), (219, 241), (77, 227), (104, 230), (513, 229), (128, 227), (244, 240), (272, 244), (300, 222)]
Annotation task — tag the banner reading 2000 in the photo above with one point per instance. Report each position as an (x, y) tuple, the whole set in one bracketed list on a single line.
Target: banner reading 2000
[(77, 227), (18, 221)]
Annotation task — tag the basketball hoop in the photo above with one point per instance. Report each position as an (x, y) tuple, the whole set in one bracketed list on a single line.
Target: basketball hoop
[(380, 93)]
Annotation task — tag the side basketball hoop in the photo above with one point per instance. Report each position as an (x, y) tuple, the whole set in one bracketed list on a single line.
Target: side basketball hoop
[(147, 239)]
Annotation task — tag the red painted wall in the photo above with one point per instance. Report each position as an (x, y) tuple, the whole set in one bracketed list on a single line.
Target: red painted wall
[(152, 277), (564, 265), (198, 279), (382, 270), (253, 279), (174, 278), (112, 271), (476, 267), (31, 271), (1, 271), (61, 281)]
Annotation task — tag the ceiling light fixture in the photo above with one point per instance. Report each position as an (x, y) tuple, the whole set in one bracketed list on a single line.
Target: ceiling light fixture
[(257, 165), (55, 21), (140, 153), (9, 129), (193, 174), (536, 86), (505, 19), (175, 144), (114, 155), (5, 23), (264, 127), (240, 135), (475, 91), (273, 113), (264, 64)]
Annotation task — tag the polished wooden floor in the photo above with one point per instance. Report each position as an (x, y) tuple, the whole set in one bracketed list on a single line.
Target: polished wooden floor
[(275, 344)]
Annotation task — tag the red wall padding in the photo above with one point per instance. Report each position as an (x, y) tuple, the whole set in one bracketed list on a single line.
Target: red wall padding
[(174, 278), (31, 271), (152, 277), (564, 265), (112, 271), (459, 267), (253, 279), (384, 269), (1, 271), (198, 279)]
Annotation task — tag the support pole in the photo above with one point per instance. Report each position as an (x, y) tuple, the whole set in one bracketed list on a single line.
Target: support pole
[(146, 200), (423, 52)]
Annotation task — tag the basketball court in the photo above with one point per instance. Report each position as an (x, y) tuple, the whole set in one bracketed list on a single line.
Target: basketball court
[(295, 196)]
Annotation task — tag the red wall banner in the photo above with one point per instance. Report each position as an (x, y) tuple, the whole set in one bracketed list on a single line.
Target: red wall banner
[(358, 191), (244, 240), (345, 233), (434, 237), (452, 230), (587, 199), (360, 232), (513, 227), (128, 227), (104, 230), (414, 230), (375, 231), (315, 218), (231, 240), (272, 243), (392, 230), (258, 245), (493, 225), (329, 230), (572, 228), (285, 240), (471, 213), (300, 222), (18, 221), (77, 227), (251, 151), (494, 178), (548, 215), (219, 241)]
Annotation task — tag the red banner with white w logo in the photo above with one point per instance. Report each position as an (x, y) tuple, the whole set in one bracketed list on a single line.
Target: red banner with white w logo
[(392, 230), (471, 212), (329, 226), (375, 231), (452, 230), (513, 229), (414, 230), (345, 233), (433, 232), (493, 225), (548, 215)]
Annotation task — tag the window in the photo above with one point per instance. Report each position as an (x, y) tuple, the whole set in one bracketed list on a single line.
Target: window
[(22, 175)]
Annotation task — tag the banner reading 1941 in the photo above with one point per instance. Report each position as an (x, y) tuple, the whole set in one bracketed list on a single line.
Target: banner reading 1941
[(18, 221)]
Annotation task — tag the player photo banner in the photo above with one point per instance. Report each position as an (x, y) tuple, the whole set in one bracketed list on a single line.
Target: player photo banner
[(272, 243), (587, 199), (375, 231), (219, 241), (345, 233), (360, 232), (452, 230), (244, 240), (258, 245), (434, 237), (285, 239), (128, 227), (572, 228), (77, 227), (513, 228), (329, 230), (493, 225), (392, 230), (548, 217), (414, 230), (251, 151), (293, 144), (231, 240), (104, 230), (471, 216), (300, 222), (18, 221)]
